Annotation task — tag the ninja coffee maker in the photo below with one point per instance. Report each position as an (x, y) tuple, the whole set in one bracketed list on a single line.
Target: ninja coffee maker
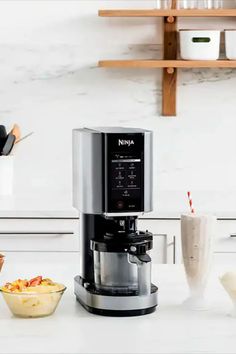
[(112, 186)]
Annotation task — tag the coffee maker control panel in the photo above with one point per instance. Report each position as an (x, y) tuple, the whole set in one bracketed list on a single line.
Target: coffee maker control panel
[(124, 173)]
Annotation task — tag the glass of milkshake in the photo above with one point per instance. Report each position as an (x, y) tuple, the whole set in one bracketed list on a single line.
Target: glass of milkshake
[(197, 235)]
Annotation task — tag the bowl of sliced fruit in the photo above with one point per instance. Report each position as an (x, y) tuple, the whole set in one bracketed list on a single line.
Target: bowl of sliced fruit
[(37, 297)]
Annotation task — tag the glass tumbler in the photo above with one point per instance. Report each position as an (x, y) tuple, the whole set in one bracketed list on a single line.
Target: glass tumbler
[(200, 4), (228, 281), (197, 235), (209, 4), (163, 4), (218, 4), (187, 4)]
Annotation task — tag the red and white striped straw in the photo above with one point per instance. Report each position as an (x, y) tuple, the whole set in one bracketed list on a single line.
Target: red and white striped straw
[(190, 203)]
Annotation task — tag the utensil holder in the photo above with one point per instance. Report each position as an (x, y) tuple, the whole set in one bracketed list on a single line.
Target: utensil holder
[(6, 175)]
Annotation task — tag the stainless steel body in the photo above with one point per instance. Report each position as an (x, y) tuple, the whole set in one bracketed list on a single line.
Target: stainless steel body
[(87, 168), (121, 272), (114, 303), (87, 171), (144, 275)]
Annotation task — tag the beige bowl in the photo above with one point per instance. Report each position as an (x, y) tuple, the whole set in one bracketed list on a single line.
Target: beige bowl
[(33, 305), (199, 44)]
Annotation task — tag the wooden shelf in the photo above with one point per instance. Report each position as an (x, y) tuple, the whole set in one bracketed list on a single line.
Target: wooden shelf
[(168, 13), (155, 64), (170, 63)]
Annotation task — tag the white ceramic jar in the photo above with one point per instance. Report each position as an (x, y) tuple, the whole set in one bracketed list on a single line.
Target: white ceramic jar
[(199, 44), (230, 44)]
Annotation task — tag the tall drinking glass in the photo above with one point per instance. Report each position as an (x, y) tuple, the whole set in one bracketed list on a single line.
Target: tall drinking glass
[(209, 4), (201, 4), (197, 235), (163, 4)]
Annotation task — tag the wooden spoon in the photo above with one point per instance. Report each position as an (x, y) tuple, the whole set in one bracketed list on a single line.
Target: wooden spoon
[(16, 131)]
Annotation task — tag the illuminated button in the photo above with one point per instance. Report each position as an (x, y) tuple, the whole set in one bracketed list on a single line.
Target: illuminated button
[(120, 176), (132, 185)]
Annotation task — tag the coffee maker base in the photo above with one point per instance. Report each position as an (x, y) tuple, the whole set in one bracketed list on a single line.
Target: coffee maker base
[(118, 306)]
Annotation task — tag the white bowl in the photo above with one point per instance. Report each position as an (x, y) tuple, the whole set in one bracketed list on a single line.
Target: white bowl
[(230, 44), (200, 44)]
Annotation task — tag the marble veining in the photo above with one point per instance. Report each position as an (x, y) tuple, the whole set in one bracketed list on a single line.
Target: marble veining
[(164, 332)]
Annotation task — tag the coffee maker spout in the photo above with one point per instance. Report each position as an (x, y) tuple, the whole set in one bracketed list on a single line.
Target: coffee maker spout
[(143, 262)]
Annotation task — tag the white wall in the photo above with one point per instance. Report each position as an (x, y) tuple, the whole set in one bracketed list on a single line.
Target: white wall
[(50, 84)]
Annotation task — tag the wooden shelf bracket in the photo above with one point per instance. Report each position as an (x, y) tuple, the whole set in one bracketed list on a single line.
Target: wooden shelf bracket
[(169, 80)]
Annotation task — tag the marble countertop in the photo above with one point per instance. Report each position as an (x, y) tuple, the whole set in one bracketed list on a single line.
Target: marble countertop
[(171, 329)]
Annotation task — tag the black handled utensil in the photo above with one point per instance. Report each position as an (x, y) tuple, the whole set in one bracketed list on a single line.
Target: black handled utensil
[(8, 144), (3, 137), (3, 132)]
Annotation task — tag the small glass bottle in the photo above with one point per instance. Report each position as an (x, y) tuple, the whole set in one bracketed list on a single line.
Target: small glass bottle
[(208, 4), (200, 4), (167, 4), (187, 4), (218, 4), (163, 4)]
